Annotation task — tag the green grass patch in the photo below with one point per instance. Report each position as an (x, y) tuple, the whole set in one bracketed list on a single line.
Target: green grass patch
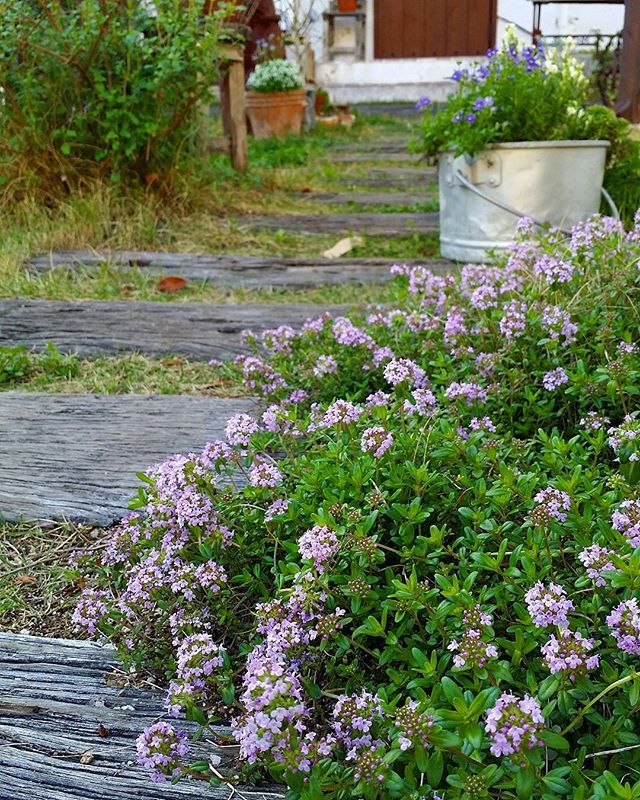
[(134, 374)]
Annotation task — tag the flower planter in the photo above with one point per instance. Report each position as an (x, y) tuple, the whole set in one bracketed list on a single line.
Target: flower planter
[(276, 113), (481, 199)]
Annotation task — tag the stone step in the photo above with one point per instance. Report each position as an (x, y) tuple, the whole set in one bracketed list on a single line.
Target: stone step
[(67, 734), (255, 272), (76, 457), (394, 224), (97, 327)]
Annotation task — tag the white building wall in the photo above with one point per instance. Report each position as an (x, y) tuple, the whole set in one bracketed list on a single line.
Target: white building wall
[(400, 80)]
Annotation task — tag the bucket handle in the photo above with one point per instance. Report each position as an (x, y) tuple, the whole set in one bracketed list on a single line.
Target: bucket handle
[(511, 210)]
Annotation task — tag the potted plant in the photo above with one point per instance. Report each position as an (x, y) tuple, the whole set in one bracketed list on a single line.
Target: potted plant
[(516, 138), (276, 99), (348, 6)]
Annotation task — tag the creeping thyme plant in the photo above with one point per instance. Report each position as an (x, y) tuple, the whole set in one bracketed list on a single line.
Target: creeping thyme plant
[(517, 94), (415, 571)]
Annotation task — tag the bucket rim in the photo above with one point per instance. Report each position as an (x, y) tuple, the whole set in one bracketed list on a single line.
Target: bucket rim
[(543, 143)]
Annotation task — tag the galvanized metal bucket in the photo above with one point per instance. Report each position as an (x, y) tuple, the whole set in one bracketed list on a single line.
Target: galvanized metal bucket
[(481, 199)]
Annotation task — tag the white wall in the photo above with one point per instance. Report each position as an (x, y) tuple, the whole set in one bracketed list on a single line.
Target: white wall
[(406, 79)]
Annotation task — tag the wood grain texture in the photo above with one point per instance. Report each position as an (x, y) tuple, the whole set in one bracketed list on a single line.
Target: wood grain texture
[(399, 145), (76, 456), (199, 330), (247, 271), (370, 198), (366, 156), (54, 695), (394, 224)]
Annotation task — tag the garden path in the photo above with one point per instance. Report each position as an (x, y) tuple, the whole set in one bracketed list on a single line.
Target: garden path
[(68, 724)]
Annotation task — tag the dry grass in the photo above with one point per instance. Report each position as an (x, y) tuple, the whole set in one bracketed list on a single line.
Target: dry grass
[(37, 590)]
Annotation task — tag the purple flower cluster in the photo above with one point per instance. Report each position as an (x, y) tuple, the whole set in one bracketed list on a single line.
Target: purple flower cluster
[(554, 379), (557, 323), (240, 428), (197, 659), (265, 475), (403, 370), (89, 610), (551, 504), (320, 545), (471, 650), (597, 561), (259, 375), (278, 340), (594, 421), (376, 441), (454, 325), (342, 412), (471, 393), (160, 748), (514, 320), (624, 623), (628, 433), (514, 725), (325, 365), (275, 712), (413, 725), (548, 605), (424, 403), (626, 520), (354, 717), (276, 509), (553, 269), (482, 424), (568, 653)]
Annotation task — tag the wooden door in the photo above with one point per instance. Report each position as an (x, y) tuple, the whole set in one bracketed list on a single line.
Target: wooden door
[(433, 28)]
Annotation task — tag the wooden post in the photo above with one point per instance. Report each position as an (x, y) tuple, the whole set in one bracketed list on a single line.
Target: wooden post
[(628, 104), (233, 111)]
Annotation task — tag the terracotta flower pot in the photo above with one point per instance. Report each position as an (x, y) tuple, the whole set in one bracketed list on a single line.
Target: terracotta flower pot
[(276, 113), (348, 5)]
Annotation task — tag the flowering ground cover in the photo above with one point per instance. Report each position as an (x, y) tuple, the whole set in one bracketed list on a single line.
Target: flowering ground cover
[(426, 583)]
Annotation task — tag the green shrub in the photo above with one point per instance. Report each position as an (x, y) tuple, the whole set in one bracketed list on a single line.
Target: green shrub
[(100, 88), (427, 588)]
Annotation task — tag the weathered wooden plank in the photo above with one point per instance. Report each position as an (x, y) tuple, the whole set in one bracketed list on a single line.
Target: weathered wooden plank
[(225, 270), (410, 174), (371, 198), (76, 456), (395, 224), (44, 737), (199, 330), (355, 157), (397, 145)]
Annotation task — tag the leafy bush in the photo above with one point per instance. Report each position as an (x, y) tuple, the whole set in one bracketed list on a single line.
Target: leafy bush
[(427, 588), (276, 75), (101, 87)]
